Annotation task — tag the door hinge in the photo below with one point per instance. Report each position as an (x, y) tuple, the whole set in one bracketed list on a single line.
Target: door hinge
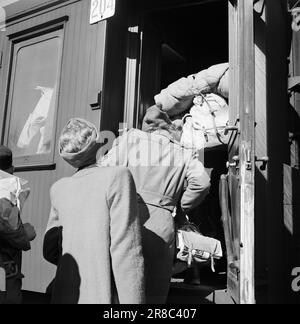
[(264, 161), (96, 100), (234, 163)]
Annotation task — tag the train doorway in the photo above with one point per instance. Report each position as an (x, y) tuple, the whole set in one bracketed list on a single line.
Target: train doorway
[(173, 41)]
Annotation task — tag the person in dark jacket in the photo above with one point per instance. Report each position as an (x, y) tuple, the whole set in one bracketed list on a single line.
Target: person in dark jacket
[(15, 237)]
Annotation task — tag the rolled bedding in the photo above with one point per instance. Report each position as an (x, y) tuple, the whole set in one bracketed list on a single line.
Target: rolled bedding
[(178, 97)]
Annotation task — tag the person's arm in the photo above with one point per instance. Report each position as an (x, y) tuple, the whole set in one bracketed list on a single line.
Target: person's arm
[(52, 246), (126, 243), (12, 229), (17, 238), (198, 185)]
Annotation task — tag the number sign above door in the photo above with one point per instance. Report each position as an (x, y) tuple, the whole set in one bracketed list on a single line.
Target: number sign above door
[(101, 10)]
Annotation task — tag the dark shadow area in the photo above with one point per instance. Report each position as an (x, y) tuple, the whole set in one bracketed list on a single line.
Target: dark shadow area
[(52, 245), (208, 216), (188, 46), (211, 284), (66, 289), (186, 294), (31, 298)]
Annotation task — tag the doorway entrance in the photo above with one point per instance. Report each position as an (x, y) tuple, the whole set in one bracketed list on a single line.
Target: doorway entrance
[(172, 39), (177, 42)]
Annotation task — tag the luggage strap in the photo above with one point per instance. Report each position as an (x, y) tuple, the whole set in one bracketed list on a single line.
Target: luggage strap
[(212, 113)]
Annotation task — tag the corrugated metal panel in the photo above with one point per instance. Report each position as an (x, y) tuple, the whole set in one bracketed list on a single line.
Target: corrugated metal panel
[(81, 75)]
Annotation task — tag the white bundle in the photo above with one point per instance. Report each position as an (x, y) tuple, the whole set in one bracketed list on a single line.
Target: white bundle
[(206, 122), (13, 189)]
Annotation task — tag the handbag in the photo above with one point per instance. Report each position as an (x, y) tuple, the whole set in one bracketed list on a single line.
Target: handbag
[(195, 248)]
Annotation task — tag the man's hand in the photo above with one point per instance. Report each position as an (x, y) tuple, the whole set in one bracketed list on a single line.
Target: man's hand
[(30, 231)]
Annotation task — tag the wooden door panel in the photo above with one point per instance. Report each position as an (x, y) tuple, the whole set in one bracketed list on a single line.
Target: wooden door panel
[(240, 177)]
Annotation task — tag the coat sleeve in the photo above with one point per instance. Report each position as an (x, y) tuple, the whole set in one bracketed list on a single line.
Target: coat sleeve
[(52, 247), (198, 185), (126, 244), (11, 227), (17, 238)]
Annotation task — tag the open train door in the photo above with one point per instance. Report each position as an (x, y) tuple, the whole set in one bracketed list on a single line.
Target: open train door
[(237, 188)]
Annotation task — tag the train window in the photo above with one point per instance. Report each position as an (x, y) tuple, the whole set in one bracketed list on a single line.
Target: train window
[(33, 99)]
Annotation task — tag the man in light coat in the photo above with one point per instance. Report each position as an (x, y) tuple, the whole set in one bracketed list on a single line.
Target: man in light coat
[(96, 208), (160, 167)]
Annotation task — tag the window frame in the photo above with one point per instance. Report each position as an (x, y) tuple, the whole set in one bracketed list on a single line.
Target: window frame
[(19, 41)]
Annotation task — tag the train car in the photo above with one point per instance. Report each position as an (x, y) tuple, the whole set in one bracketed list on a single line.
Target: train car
[(105, 60)]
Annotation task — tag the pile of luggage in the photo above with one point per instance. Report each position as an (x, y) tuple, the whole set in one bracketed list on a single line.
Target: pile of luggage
[(201, 101)]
